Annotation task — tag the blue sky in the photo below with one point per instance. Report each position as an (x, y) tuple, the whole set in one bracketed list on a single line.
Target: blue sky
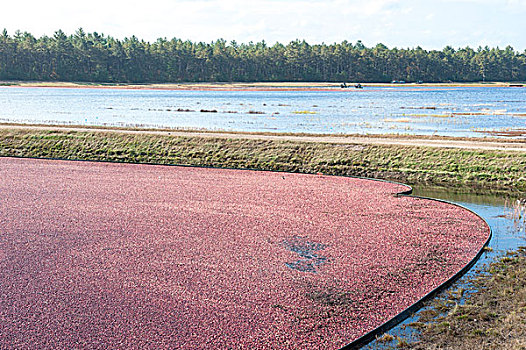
[(430, 24)]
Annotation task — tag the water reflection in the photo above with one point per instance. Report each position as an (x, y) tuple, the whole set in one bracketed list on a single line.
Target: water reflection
[(496, 210)]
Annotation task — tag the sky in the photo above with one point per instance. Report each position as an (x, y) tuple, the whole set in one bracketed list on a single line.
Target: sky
[(431, 24)]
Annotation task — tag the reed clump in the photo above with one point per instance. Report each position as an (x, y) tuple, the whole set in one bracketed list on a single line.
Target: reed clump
[(517, 213)]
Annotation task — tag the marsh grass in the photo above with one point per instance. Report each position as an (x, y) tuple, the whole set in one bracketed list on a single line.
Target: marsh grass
[(304, 112), (492, 317), (399, 120), (385, 338)]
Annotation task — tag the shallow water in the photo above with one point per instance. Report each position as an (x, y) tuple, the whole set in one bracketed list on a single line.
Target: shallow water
[(406, 110), (309, 259), (507, 235)]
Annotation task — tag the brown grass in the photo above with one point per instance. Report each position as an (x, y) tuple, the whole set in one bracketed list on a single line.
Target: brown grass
[(493, 316), (507, 133)]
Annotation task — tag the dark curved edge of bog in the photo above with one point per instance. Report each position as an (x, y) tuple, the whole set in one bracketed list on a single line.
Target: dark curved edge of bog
[(368, 337)]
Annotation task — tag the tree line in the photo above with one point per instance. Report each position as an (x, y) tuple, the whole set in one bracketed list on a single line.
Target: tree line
[(94, 57)]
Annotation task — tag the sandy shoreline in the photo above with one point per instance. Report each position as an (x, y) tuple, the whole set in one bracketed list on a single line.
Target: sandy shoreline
[(273, 86)]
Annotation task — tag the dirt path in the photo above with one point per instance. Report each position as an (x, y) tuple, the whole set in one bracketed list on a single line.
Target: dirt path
[(463, 143)]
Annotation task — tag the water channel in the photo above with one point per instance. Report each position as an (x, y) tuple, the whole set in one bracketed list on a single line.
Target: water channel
[(509, 233)]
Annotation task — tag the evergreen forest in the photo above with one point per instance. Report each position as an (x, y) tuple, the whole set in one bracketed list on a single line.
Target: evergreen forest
[(93, 57)]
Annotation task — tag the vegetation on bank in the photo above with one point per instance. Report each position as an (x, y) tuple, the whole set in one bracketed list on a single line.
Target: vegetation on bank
[(93, 57), (481, 171), (492, 317)]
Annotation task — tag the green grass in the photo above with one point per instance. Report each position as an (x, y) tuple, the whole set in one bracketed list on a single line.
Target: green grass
[(479, 171), (493, 316)]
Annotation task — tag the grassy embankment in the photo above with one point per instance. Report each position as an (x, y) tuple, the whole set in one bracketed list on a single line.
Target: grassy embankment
[(478, 171)]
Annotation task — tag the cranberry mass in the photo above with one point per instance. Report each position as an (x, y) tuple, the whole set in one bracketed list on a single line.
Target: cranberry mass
[(101, 255)]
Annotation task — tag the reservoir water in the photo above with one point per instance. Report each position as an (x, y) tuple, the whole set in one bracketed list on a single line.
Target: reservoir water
[(449, 111)]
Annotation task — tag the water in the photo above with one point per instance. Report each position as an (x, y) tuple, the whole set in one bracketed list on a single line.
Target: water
[(405, 110), (309, 259), (507, 235)]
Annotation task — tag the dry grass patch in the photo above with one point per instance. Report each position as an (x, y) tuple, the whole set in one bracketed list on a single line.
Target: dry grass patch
[(492, 317)]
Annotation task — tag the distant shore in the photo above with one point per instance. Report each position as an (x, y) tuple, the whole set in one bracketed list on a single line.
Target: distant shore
[(238, 86)]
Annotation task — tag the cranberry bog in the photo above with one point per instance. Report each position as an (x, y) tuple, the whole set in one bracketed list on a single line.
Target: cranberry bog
[(104, 255)]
